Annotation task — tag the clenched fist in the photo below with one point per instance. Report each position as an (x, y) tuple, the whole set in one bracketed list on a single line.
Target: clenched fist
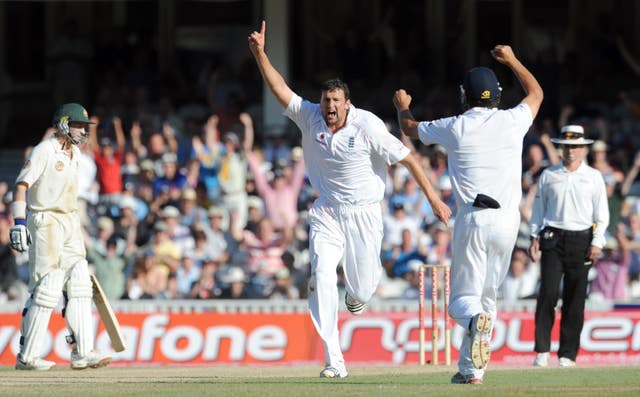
[(401, 100)]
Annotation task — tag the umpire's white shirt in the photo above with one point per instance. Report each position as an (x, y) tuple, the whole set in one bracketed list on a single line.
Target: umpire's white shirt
[(340, 166), (571, 201), (52, 177), (484, 152)]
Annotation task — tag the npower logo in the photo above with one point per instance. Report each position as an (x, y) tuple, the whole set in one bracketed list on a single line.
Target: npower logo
[(599, 334)]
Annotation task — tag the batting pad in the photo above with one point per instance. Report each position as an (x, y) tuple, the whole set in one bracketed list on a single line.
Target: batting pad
[(35, 322), (78, 308)]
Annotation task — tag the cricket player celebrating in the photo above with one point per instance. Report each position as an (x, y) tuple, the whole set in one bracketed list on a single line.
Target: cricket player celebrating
[(346, 151), (51, 232), (485, 164)]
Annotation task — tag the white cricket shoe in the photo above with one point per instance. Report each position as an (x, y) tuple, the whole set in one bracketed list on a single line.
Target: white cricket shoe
[(93, 359), (353, 305), (481, 325), (37, 364), (332, 372), (566, 362), (542, 360)]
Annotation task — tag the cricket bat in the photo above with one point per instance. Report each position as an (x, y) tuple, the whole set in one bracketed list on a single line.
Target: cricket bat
[(109, 319)]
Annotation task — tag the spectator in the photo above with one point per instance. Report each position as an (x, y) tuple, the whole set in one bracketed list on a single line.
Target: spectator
[(192, 215), (109, 264), (167, 253), (233, 179), (130, 169), (410, 196), (284, 288), (148, 280), (264, 248), (108, 161), (172, 181), (209, 155), (234, 279), (186, 276), (11, 287), (281, 195), (412, 291), (206, 287), (522, 279), (220, 242), (396, 260), (439, 252), (255, 213), (612, 269), (395, 223), (159, 144), (178, 233), (534, 163)]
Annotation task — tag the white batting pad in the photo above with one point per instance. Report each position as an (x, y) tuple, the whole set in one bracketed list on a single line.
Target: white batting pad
[(35, 321), (78, 308)]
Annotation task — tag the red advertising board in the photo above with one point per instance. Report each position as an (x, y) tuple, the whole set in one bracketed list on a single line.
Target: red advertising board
[(258, 338)]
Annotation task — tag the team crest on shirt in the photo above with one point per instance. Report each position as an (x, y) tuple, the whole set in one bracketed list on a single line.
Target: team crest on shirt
[(352, 142), (59, 165), (321, 138)]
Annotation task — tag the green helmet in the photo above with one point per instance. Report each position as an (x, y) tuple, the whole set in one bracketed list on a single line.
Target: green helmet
[(67, 113)]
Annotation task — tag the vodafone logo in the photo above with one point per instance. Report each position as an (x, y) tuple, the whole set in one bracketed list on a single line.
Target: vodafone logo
[(156, 339)]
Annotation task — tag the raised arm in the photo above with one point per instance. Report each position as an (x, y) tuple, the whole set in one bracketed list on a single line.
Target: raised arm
[(170, 135), (270, 75), (247, 122), (406, 121), (93, 134), (136, 142), (117, 127), (259, 178), (504, 54), (440, 209)]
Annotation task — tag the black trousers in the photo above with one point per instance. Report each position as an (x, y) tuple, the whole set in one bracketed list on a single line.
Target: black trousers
[(566, 258)]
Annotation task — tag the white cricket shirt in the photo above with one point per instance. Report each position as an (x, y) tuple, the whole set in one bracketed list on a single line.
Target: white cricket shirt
[(484, 149), (52, 177), (349, 166), (571, 201)]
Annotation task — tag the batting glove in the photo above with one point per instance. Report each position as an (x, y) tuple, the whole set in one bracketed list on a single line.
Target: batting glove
[(19, 236)]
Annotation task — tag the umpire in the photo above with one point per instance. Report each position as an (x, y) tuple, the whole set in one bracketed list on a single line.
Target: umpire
[(570, 217)]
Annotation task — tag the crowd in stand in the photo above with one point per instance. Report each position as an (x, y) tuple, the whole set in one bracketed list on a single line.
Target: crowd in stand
[(191, 203)]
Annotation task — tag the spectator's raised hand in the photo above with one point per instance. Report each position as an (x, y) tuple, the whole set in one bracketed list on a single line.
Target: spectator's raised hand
[(168, 131), (245, 119), (636, 160), (197, 145), (136, 130), (117, 122)]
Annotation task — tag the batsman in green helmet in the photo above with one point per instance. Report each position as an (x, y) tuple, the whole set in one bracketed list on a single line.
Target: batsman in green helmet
[(46, 223)]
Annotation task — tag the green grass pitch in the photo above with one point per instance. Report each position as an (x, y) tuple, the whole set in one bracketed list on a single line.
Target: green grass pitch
[(277, 381)]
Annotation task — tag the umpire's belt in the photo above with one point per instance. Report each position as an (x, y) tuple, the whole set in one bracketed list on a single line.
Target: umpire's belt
[(562, 232)]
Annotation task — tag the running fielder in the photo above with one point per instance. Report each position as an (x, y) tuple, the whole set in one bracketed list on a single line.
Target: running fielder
[(485, 164), (51, 232), (346, 151)]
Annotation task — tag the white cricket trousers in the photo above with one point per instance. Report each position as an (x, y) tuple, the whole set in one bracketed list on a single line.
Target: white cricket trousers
[(57, 243), (352, 235), (483, 240)]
